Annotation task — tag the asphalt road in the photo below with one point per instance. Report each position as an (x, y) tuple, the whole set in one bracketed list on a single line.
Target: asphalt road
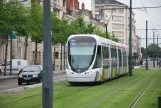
[(13, 83), (150, 64)]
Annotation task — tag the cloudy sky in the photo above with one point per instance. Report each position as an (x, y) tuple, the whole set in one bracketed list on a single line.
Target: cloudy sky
[(141, 16)]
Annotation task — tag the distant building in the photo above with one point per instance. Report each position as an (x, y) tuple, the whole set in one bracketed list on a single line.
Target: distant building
[(138, 46), (115, 15)]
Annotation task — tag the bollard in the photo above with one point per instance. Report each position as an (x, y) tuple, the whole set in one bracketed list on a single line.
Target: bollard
[(159, 102)]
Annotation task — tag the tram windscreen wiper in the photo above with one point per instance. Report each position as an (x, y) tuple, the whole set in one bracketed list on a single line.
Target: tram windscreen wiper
[(73, 62)]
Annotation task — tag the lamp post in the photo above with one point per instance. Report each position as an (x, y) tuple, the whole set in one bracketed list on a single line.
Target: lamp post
[(154, 48)]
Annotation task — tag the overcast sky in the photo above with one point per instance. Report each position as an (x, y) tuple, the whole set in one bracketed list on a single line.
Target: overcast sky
[(141, 16)]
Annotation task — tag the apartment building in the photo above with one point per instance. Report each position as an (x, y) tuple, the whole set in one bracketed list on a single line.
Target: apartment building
[(114, 14), (138, 46), (59, 6)]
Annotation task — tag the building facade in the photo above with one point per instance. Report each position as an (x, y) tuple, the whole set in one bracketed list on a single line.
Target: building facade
[(58, 51), (114, 14), (138, 46)]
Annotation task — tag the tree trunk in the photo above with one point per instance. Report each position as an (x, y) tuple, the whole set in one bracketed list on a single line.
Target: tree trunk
[(54, 58), (64, 56), (6, 52), (26, 44), (61, 58), (35, 62)]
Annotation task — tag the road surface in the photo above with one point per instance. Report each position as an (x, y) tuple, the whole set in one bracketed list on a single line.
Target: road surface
[(13, 83)]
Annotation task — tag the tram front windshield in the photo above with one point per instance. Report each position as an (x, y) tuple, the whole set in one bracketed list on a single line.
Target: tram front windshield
[(81, 51)]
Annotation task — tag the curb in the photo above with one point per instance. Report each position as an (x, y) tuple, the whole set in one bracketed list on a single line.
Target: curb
[(13, 77), (17, 89), (58, 72)]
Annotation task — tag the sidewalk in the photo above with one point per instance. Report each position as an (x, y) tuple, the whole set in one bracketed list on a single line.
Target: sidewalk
[(135, 67), (2, 77)]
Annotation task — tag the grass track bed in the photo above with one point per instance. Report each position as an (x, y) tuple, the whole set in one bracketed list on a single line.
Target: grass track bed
[(85, 96)]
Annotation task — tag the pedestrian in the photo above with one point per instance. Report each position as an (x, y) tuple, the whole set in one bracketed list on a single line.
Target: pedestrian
[(141, 61)]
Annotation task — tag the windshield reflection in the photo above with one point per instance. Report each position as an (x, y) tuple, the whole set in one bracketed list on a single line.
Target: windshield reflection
[(31, 69)]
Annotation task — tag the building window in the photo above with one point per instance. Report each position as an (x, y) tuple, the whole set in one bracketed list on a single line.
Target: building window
[(56, 55)]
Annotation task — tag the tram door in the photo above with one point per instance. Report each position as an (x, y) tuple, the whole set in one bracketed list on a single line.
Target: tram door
[(124, 61), (113, 61), (106, 62), (120, 61)]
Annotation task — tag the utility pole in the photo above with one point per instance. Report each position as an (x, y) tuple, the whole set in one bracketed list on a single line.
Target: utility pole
[(153, 50), (47, 75), (130, 41), (146, 45), (157, 51)]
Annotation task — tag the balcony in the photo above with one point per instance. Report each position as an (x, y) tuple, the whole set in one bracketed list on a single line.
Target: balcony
[(58, 7)]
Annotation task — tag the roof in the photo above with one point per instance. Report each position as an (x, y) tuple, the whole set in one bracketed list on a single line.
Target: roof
[(108, 2), (100, 40)]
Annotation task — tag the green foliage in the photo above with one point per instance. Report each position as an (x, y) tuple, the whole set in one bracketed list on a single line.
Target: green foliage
[(115, 39), (28, 21), (135, 55), (100, 33), (103, 34), (13, 17), (143, 51), (153, 48), (36, 21), (54, 27), (81, 27)]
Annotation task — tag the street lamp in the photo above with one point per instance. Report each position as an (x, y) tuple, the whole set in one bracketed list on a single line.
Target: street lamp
[(154, 48), (157, 49)]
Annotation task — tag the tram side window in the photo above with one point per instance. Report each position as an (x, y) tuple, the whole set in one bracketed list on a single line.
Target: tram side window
[(125, 58), (115, 56), (105, 52), (98, 60)]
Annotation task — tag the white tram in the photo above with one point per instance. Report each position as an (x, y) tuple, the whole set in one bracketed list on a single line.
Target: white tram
[(91, 58)]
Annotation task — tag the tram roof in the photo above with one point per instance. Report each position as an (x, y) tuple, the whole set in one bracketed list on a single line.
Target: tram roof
[(101, 40)]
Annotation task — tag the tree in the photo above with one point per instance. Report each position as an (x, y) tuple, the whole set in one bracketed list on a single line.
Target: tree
[(36, 25), (151, 48), (143, 51), (11, 18), (100, 33), (135, 56), (55, 29), (23, 28), (81, 27), (114, 38)]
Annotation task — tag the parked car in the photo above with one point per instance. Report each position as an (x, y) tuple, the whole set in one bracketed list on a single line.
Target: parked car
[(17, 65), (30, 73)]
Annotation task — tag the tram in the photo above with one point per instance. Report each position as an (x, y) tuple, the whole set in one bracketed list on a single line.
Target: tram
[(91, 58)]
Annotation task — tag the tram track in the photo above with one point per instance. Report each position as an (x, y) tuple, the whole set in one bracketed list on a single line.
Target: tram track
[(75, 92), (31, 96), (66, 95), (115, 91), (141, 94), (83, 90)]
